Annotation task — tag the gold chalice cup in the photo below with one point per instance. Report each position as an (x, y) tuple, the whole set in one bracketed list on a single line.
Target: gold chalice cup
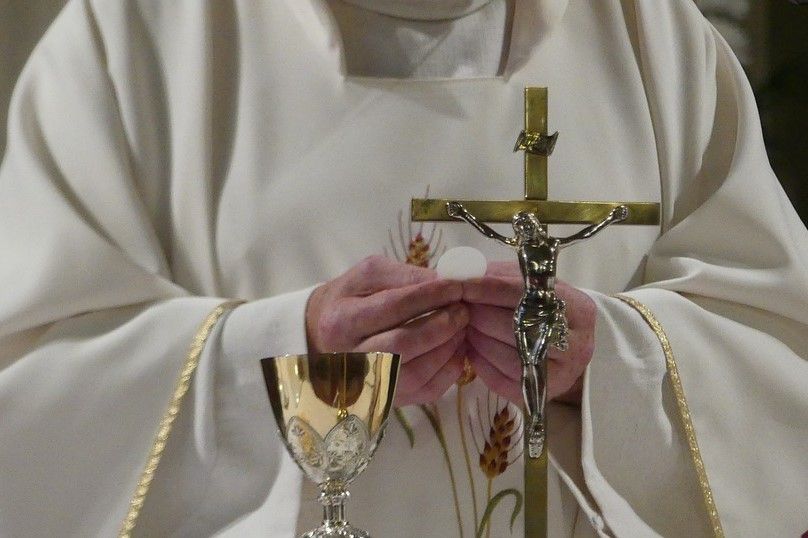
[(331, 410)]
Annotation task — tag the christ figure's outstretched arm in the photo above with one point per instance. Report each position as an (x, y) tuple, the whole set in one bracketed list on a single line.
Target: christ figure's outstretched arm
[(456, 210), (618, 214)]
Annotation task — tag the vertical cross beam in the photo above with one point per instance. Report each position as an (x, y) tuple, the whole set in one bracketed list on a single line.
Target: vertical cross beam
[(535, 471)]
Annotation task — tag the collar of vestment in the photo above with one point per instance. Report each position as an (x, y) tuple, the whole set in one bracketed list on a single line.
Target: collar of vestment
[(533, 22), (422, 10)]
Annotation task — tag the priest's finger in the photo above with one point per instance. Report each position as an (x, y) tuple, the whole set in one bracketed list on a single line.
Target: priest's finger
[(561, 377), (337, 323), (504, 286), (580, 347), (420, 335), (580, 310), (503, 357), (417, 373), (494, 291), (436, 387), (365, 316), (493, 321), (573, 394), (494, 379), (376, 273), (509, 268)]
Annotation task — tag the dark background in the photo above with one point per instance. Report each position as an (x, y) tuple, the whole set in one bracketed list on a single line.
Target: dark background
[(770, 37), (782, 94)]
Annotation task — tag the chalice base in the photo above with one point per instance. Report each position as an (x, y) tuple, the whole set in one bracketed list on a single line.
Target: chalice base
[(336, 530)]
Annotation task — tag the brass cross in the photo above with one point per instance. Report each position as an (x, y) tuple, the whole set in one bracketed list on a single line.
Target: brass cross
[(548, 212)]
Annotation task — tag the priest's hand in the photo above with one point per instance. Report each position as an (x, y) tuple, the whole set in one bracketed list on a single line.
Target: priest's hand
[(490, 338), (384, 305)]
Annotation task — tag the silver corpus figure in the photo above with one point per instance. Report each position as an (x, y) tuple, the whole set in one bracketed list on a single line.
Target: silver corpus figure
[(539, 320)]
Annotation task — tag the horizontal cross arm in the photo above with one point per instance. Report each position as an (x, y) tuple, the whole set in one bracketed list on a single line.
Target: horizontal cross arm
[(548, 212)]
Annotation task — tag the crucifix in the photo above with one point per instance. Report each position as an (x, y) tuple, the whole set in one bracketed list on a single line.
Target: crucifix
[(540, 309)]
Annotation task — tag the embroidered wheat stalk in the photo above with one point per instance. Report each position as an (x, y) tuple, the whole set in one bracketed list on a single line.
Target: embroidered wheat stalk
[(500, 449), (466, 377)]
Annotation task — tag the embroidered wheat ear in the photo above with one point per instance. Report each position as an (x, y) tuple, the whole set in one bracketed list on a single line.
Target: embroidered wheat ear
[(502, 438), (416, 249), (500, 449)]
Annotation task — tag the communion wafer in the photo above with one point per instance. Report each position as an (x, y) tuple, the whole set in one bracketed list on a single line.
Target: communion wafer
[(461, 263)]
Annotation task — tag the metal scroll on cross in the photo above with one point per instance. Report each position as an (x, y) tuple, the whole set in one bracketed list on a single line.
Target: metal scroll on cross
[(539, 319)]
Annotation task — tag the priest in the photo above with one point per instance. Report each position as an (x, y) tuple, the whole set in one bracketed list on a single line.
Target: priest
[(193, 185)]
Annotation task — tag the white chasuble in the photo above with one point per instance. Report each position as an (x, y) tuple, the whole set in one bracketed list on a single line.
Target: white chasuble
[(165, 157)]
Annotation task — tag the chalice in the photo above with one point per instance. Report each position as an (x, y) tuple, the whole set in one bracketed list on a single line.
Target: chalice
[(331, 410)]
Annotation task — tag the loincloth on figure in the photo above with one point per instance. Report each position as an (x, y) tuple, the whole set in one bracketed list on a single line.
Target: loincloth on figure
[(540, 316)]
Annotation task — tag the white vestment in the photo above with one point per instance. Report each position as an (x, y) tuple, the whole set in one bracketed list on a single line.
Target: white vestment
[(165, 156)]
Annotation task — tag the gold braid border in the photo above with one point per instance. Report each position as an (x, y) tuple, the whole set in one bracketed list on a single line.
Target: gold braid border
[(166, 423), (684, 412)]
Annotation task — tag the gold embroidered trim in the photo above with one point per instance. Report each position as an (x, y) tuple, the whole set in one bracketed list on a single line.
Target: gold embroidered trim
[(684, 412), (166, 423)]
